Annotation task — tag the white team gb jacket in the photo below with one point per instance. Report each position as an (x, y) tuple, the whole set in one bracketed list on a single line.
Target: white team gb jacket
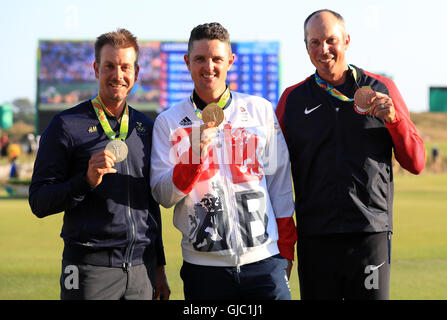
[(234, 206)]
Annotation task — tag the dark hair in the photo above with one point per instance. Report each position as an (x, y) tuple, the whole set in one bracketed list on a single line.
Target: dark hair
[(210, 31), (121, 38), (335, 14)]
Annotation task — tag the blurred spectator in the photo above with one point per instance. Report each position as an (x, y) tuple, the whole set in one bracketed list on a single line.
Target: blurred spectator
[(13, 154), (4, 142), (436, 159), (31, 143)]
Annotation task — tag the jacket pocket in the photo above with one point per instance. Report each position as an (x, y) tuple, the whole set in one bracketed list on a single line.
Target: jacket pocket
[(370, 188)]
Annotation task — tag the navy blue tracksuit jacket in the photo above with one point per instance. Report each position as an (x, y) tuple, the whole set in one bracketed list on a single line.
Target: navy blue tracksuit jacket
[(114, 224)]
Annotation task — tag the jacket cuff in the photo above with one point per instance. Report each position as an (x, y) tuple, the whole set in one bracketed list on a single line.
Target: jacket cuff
[(79, 185), (395, 123), (287, 237)]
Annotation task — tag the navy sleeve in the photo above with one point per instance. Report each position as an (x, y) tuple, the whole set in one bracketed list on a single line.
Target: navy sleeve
[(154, 210), (52, 188)]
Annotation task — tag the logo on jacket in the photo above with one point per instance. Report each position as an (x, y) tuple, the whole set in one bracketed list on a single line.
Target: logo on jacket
[(244, 114), (139, 127), (307, 111), (92, 129), (185, 122), (207, 224)]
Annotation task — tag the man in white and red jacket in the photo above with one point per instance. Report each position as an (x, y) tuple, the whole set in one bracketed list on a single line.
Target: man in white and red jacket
[(341, 157), (230, 182)]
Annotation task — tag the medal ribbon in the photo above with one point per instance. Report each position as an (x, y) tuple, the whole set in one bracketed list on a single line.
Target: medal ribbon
[(98, 106), (331, 90), (221, 103)]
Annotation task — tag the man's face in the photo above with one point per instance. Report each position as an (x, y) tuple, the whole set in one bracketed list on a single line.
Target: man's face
[(208, 62), (116, 73), (327, 42)]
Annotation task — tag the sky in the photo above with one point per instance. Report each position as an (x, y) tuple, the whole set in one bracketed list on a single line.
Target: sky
[(401, 38)]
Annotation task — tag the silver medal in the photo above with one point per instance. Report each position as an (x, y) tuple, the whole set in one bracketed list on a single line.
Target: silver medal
[(119, 149)]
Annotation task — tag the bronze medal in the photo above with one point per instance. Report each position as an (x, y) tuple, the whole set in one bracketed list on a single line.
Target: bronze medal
[(362, 100)]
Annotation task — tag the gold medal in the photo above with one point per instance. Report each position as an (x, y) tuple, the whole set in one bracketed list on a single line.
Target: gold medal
[(213, 113)]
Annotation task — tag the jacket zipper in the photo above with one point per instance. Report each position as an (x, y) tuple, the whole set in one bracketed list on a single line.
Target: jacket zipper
[(129, 250), (389, 246), (337, 159), (234, 225)]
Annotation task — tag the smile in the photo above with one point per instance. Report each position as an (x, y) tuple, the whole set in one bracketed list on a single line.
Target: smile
[(117, 85), (326, 60)]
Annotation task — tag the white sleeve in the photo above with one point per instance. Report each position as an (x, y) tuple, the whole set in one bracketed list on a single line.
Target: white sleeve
[(162, 167), (277, 169)]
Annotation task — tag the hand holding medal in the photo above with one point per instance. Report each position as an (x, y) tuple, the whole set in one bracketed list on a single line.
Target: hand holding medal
[(100, 164), (212, 116), (366, 100), (375, 103), (363, 99), (200, 142)]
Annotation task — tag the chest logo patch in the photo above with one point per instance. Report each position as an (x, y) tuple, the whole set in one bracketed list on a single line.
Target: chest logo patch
[(307, 110)]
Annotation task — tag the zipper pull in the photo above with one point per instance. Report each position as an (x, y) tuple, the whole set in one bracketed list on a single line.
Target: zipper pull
[(238, 269)]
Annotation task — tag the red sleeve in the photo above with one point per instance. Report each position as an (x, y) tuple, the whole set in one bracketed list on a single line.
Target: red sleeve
[(187, 172), (287, 237), (408, 145), (281, 107)]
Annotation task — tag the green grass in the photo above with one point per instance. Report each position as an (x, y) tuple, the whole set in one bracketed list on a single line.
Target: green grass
[(419, 258), (30, 253), (30, 248)]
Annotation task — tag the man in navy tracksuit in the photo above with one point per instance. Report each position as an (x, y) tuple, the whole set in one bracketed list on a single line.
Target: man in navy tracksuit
[(112, 225), (341, 155)]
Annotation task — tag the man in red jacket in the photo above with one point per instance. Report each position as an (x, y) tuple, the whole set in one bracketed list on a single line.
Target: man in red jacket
[(341, 155)]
